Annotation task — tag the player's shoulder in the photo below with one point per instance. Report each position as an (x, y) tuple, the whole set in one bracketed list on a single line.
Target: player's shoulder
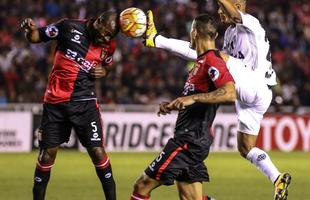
[(67, 21)]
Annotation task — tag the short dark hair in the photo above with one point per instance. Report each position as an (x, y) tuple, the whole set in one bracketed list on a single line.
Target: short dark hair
[(105, 17), (206, 25)]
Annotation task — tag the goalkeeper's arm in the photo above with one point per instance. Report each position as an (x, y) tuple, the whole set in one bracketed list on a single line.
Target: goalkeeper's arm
[(179, 47)]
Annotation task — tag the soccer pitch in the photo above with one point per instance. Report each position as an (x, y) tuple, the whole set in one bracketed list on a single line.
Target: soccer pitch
[(73, 176)]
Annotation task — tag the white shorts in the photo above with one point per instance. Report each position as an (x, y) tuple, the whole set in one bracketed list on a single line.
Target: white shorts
[(251, 106)]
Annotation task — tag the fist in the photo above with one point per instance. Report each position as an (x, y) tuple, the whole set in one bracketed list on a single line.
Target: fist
[(99, 71), (28, 25)]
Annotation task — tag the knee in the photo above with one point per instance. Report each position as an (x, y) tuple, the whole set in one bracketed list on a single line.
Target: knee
[(47, 156), (97, 153), (243, 150)]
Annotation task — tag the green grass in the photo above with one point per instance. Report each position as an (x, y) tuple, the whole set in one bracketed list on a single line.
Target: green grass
[(73, 176)]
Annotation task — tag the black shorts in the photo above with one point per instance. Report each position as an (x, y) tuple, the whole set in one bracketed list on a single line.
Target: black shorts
[(58, 120), (182, 161)]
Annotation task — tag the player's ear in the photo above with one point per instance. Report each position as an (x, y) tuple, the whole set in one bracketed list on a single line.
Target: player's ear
[(216, 34), (238, 6)]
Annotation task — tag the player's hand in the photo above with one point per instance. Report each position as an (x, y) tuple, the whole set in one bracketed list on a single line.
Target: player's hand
[(163, 109), (181, 103), (28, 25), (99, 71), (151, 31)]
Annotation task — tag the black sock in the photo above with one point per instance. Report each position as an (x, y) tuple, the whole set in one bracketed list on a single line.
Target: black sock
[(41, 178), (108, 184)]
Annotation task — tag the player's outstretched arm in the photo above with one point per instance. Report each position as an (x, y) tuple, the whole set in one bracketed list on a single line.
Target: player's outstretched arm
[(231, 10), (153, 39), (31, 30)]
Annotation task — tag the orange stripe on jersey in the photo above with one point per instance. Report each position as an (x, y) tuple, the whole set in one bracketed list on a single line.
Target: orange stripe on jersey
[(168, 161)]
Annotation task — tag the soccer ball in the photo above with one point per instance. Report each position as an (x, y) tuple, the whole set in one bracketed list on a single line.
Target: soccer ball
[(133, 22)]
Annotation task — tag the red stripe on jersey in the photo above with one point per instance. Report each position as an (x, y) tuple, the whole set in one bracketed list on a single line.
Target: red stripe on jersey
[(168, 161), (61, 80)]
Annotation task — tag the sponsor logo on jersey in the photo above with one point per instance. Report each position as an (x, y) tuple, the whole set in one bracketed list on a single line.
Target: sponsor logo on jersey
[(95, 137), (51, 31), (188, 87), (213, 73)]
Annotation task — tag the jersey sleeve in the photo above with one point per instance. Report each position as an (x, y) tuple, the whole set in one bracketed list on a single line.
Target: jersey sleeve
[(218, 73), (52, 31)]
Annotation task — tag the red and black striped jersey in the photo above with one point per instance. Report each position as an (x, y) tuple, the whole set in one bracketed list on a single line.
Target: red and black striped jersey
[(208, 74), (75, 55)]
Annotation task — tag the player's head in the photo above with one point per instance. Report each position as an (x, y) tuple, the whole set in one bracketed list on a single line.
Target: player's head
[(204, 27), (105, 27), (239, 4)]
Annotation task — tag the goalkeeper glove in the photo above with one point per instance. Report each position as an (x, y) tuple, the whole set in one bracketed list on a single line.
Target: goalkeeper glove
[(151, 32)]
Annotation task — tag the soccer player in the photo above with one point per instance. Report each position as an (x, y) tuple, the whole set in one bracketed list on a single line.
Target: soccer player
[(242, 39), (208, 84), (84, 52)]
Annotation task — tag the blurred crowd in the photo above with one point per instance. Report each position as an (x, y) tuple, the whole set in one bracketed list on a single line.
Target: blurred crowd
[(144, 75)]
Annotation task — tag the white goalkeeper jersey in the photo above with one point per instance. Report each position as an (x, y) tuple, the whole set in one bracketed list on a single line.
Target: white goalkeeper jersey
[(248, 42)]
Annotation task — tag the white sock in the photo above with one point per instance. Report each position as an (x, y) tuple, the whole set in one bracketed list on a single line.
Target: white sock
[(179, 47), (263, 162)]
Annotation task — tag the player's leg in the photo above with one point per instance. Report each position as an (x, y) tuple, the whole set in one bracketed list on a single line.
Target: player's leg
[(143, 188), (54, 130), (281, 181), (248, 128), (103, 168), (42, 172), (190, 191), (247, 149), (86, 119), (163, 170)]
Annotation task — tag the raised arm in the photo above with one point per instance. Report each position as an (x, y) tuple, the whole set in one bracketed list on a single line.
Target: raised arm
[(231, 10), (179, 47), (31, 31)]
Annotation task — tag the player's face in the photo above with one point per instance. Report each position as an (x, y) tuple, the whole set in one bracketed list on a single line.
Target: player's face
[(193, 33), (104, 33)]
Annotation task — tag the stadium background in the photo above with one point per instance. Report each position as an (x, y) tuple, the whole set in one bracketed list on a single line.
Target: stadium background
[(143, 78)]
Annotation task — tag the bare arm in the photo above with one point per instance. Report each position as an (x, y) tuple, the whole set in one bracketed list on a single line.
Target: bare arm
[(231, 10), (224, 94), (31, 31)]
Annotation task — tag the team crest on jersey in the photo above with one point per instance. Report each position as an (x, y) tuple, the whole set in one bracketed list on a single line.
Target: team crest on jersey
[(213, 73), (51, 31), (103, 54)]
